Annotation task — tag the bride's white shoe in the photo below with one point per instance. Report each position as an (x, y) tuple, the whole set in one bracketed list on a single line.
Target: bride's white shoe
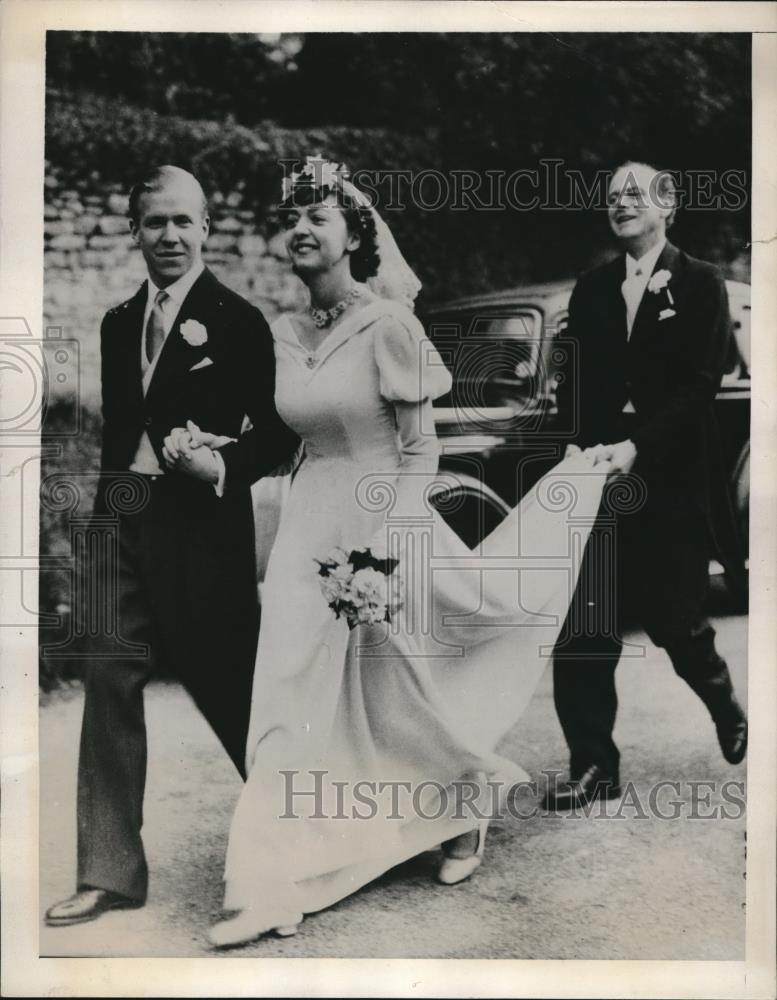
[(454, 870), (247, 926)]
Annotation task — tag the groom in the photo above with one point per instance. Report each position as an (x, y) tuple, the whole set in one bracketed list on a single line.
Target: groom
[(652, 329), (183, 346)]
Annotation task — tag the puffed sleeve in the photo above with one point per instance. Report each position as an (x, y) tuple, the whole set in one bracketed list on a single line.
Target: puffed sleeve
[(410, 366)]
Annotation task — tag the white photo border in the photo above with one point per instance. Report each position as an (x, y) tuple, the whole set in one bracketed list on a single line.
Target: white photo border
[(22, 47)]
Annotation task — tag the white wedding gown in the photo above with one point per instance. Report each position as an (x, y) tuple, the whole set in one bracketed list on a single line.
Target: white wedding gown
[(416, 704)]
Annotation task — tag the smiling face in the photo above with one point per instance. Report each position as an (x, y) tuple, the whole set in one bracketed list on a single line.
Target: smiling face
[(170, 228), (634, 207), (317, 236)]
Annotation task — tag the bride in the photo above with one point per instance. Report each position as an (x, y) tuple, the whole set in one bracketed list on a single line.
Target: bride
[(366, 745)]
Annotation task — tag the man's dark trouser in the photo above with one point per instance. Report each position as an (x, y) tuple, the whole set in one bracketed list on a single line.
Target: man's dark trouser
[(658, 574), (185, 588)]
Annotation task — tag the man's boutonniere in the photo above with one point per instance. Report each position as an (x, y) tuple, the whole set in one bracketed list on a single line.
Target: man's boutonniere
[(194, 333), (660, 281)]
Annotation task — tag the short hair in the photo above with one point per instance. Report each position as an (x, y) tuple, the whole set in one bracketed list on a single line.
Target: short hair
[(365, 259), (155, 180), (666, 189)]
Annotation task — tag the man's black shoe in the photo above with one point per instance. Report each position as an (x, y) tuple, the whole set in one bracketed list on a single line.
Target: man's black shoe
[(593, 784), (732, 735), (712, 683), (87, 904)]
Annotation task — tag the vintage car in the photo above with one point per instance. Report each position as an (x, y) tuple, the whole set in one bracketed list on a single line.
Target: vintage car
[(499, 428)]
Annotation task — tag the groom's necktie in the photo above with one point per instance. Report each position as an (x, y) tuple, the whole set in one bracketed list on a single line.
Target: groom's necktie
[(632, 290), (155, 327)]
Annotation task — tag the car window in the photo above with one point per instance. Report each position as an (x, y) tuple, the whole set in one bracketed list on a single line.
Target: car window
[(493, 356), (522, 326)]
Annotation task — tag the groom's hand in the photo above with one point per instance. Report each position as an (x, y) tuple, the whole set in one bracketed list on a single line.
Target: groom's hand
[(200, 462), (176, 445), (183, 454), (181, 442), (189, 450)]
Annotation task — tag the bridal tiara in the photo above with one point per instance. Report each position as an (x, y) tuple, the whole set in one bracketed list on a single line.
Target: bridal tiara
[(395, 279), (317, 172)]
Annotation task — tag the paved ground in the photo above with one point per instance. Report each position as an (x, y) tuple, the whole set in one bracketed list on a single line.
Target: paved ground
[(549, 887)]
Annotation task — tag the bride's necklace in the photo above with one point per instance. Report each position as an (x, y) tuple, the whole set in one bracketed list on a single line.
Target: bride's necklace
[(324, 317)]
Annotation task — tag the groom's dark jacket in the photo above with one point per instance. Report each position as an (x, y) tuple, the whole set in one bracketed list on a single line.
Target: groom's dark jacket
[(237, 380), (670, 368), (170, 585), (183, 579)]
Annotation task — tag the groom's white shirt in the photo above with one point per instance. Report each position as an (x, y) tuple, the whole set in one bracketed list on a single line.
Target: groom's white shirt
[(145, 461), (638, 274)]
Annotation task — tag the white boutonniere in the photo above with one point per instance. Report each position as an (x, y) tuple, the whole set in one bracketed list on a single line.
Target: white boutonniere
[(659, 280), (194, 333)]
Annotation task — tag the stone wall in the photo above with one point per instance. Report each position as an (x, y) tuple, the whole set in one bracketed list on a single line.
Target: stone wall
[(92, 264)]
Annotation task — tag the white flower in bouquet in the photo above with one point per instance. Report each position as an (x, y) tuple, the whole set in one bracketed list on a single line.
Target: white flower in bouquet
[(368, 596), (334, 589), (360, 586), (369, 587), (371, 614), (343, 573)]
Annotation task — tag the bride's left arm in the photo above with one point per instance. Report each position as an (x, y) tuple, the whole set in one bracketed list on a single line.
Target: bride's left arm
[(419, 456), (412, 374)]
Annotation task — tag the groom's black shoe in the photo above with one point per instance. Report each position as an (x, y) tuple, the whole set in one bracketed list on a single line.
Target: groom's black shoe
[(87, 904), (594, 783), (732, 734)]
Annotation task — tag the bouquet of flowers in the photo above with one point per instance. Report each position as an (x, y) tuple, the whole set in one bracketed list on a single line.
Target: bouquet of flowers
[(359, 586)]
